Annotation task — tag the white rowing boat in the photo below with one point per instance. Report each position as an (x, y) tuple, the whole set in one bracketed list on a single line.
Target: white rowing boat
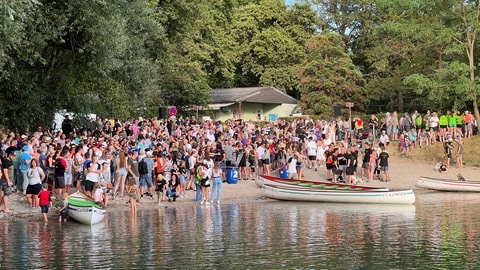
[(84, 210), (448, 185), (406, 196), (276, 181)]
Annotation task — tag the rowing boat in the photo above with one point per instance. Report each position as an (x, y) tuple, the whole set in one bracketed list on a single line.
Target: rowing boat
[(448, 185), (406, 196), (271, 180), (85, 210)]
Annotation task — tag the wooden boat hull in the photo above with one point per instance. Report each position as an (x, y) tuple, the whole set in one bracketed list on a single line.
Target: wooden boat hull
[(301, 194), (448, 185), (84, 210), (276, 181)]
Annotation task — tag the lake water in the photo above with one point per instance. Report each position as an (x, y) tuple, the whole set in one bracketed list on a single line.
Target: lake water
[(441, 231)]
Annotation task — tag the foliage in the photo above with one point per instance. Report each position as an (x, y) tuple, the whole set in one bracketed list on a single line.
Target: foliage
[(271, 40), (329, 76), (128, 57)]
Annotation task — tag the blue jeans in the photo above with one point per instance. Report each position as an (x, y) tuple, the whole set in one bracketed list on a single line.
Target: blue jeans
[(171, 194), (146, 180), (198, 195), (216, 189)]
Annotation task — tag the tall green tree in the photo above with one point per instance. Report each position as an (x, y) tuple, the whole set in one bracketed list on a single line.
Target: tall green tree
[(271, 39), (329, 76), (82, 56), (201, 53)]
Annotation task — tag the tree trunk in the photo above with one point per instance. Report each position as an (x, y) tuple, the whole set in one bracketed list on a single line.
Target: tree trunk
[(400, 102), (475, 110)]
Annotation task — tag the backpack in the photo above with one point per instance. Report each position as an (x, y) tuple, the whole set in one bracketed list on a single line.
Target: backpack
[(329, 158), (142, 167)]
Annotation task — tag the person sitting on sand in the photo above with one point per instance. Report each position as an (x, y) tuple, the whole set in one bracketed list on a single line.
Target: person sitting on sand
[(460, 178), (440, 167)]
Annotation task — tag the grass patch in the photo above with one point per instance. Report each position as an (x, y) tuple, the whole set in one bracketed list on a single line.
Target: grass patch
[(433, 153)]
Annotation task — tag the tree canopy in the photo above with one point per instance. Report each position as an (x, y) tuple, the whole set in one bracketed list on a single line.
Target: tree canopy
[(128, 57)]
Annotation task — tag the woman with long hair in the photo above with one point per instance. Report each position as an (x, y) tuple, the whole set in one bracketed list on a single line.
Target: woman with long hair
[(35, 176), (121, 174), (205, 183), (217, 183)]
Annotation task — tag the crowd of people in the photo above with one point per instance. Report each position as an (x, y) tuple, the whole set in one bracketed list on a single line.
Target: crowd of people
[(161, 159)]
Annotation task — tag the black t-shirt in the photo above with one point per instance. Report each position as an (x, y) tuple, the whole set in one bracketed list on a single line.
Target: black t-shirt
[(173, 187), (218, 156), (342, 160), (366, 156), (7, 165), (59, 169), (383, 157), (351, 160), (161, 185)]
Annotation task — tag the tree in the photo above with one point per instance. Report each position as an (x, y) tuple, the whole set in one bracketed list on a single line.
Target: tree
[(271, 42), (329, 76), (82, 56)]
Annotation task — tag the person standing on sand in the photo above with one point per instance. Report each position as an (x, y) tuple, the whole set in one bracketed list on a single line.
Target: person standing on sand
[(6, 182), (460, 150), (160, 185), (448, 151), (364, 171), (217, 183), (292, 167), (44, 201), (205, 183), (311, 149), (372, 163), (351, 166), (25, 159), (35, 175), (121, 173), (132, 192), (383, 162), (59, 173)]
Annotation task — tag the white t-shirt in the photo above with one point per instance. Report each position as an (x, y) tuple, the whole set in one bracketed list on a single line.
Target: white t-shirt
[(92, 177), (311, 148), (292, 166), (434, 121)]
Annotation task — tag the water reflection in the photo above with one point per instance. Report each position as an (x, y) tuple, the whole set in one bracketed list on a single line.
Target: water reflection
[(439, 232)]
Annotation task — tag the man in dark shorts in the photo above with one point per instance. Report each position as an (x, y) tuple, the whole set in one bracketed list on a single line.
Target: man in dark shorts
[(366, 160), (59, 173), (6, 180)]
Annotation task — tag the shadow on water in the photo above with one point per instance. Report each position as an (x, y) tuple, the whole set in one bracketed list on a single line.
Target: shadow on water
[(439, 231)]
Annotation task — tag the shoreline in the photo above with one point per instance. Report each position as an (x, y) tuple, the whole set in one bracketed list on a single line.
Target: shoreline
[(404, 172)]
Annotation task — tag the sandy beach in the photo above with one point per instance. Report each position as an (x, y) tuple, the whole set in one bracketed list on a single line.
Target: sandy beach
[(404, 172)]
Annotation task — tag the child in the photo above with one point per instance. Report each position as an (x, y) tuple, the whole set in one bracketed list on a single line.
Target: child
[(160, 187), (440, 167), (64, 209), (460, 178), (44, 201), (132, 191)]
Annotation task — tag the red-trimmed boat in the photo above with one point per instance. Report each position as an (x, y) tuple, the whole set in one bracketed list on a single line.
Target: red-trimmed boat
[(263, 180)]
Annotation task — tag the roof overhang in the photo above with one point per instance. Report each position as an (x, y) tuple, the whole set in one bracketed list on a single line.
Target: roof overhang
[(217, 106)]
